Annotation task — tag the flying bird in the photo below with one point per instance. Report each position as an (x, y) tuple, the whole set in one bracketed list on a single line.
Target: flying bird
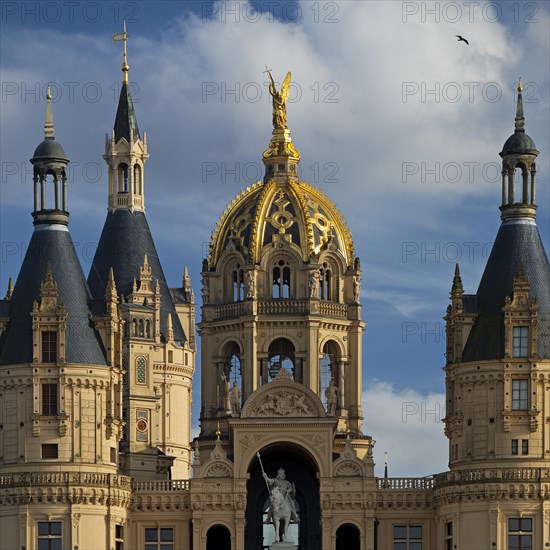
[(462, 39)]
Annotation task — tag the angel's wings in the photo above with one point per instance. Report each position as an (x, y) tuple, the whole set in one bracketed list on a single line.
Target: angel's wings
[(285, 88)]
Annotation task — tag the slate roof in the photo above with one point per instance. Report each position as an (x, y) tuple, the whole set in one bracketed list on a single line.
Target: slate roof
[(4, 308), (125, 240), (125, 116), (179, 296), (516, 242), (83, 344)]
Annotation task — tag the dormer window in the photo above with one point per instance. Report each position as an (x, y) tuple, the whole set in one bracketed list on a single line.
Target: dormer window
[(520, 342), (49, 346)]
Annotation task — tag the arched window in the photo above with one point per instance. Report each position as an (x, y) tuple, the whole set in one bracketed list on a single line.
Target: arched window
[(147, 329), (237, 282), (325, 281), (141, 330), (137, 180), (123, 178), (281, 354), (134, 327), (232, 380), (281, 280)]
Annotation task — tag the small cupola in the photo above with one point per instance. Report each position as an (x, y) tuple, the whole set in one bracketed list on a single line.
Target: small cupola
[(519, 170), (49, 165)]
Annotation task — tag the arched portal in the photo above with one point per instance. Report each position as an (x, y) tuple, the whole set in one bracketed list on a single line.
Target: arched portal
[(299, 469), (348, 538), (218, 537)]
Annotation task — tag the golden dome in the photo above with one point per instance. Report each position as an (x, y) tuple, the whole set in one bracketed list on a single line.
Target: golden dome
[(255, 218)]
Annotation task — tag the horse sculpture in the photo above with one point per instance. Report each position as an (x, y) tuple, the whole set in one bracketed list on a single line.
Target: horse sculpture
[(281, 513)]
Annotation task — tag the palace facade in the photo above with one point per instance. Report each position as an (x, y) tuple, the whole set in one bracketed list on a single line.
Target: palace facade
[(96, 376)]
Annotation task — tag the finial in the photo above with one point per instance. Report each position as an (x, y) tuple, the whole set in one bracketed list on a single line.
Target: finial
[(122, 36), (111, 291), (386, 465), (457, 280), (49, 131), (186, 280), (218, 432), (10, 290), (169, 329), (520, 87)]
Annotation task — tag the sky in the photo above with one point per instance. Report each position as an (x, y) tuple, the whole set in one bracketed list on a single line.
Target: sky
[(398, 122)]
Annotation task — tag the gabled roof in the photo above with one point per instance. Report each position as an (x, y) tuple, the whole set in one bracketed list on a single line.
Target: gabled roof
[(125, 240), (518, 241), (53, 247)]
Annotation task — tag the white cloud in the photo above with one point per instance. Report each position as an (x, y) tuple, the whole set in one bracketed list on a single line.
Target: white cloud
[(406, 424), (369, 132)]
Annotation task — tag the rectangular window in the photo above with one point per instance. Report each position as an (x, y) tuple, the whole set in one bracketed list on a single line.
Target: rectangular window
[(520, 342), (159, 538), (113, 455), (49, 399), (524, 446), (407, 537), (119, 537), (514, 446), (519, 394), (50, 450), (49, 535), (520, 533), (49, 346), (448, 538)]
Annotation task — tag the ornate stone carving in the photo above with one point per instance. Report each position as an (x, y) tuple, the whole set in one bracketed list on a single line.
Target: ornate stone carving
[(347, 469), (285, 398), (218, 470)]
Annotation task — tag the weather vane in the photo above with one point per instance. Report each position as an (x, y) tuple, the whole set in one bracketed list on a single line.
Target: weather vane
[(122, 36)]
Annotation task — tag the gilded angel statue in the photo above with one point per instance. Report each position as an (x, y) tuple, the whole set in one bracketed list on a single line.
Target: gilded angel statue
[(279, 100)]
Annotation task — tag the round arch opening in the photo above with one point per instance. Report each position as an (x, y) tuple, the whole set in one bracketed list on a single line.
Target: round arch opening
[(348, 537), (218, 537), (300, 469)]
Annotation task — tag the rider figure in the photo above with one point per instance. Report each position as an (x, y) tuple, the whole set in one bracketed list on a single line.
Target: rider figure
[(288, 491)]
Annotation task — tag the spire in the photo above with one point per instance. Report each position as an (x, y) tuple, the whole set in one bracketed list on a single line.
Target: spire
[(49, 131), (125, 122), (457, 287), (520, 119)]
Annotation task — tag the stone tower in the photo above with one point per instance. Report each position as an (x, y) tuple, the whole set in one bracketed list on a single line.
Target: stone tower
[(498, 371), (281, 336), (158, 354), (60, 384)]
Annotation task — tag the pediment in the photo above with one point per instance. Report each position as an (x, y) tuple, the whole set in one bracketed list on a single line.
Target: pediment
[(283, 398)]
